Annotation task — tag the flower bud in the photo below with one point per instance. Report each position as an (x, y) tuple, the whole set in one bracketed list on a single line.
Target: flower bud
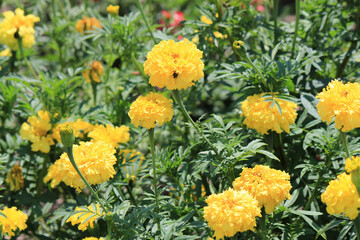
[(239, 48), (67, 134), (352, 166)]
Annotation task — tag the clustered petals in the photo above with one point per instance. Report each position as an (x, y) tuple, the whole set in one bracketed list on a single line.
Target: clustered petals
[(94, 71), (111, 135), (15, 219), (87, 24)]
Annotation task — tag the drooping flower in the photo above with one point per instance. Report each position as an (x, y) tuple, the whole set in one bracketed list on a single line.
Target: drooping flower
[(15, 178), (134, 159), (230, 212), (268, 186), (151, 109), (17, 25), (94, 71), (342, 102), (341, 197), (94, 159), (87, 24), (111, 135), (80, 127), (86, 216), (37, 131), (174, 65), (260, 116), (15, 219), (113, 10)]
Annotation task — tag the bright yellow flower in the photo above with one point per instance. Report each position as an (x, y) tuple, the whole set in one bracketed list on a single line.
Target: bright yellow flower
[(93, 73), (14, 220), (15, 178), (113, 10), (82, 216), (341, 101), (6, 53), (134, 159), (37, 132), (151, 109), (260, 116), (352, 164), (230, 212), (268, 186), (174, 65), (94, 159), (111, 135), (92, 238), (80, 127), (87, 24), (16, 25), (205, 20), (341, 197)]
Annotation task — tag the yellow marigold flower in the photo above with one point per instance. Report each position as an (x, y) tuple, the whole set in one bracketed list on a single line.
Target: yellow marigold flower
[(111, 135), (113, 10), (82, 216), (16, 25), (92, 238), (37, 131), (151, 109), (133, 157), (94, 159), (230, 212), (15, 178), (205, 20), (174, 65), (260, 116), (341, 197), (14, 220), (87, 24), (6, 53), (268, 186), (341, 101), (80, 127), (93, 73)]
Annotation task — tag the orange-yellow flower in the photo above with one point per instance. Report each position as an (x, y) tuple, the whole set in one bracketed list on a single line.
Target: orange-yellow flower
[(80, 127), (205, 20), (87, 24), (86, 216), (15, 178), (94, 71), (113, 10), (15, 219), (109, 134)]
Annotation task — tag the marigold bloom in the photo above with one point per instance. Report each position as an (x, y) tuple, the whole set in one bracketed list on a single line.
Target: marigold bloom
[(205, 20), (151, 109), (93, 73), (82, 216), (341, 197), (37, 131), (230, 212), (130, 156), (16, 25), (95, 161), (268, 186), (15, 178), (341, 101), (260, 116), (15, 219), (113, 10), (174, 65), (92, 238), (80, 127), (111, 135), (87, 24)]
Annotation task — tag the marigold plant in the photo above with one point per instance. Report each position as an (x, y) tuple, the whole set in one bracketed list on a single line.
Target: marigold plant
[(109, 134), (87, 24), (15, 219), (80, 127), (86, 216), (94, 72)]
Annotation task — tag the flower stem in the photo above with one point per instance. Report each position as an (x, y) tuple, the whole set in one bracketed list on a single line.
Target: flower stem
[(183, 110), (356, 222), (40, 183), (25, 59), (315, 191), (275, 15), (94, 90), (146, 22), (262, 223), (344, 141), (297, 11), (152, 148)]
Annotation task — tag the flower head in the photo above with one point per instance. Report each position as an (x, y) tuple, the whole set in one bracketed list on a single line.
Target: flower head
[(260, 116), (17, 25), (113, 10), (133, 159), (15, 219), (230, 212), (341, 197), (93, 73), (86, 216), (37, 131), (174, 65), (342, 102), (87, 24), (151, 109), (268, 186), (15, 178), (95, 161), (205, 20), (80, 127), (111, 135)]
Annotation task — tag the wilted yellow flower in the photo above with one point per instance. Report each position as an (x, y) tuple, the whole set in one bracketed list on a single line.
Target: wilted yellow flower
[(80, 127), (260, 116), (94, 159), (151, 109), (15, 178), (87, 24), (93, 73), (86, 216), (268, 186), (133, 157), (174, 65), (14, 220), (341, 197), (230, 212), (16, 25), (37, 131), (204, 19), (113, 10), (111, 135), (6, 53), (341, 101)]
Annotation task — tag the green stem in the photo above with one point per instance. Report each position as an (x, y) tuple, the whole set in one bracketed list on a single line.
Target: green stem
[(297, 10), (183, 110), (315, 191), (262, 223), (152, 148), (356, 222), (138, 65), (25, 59), (247, 59), (275, 16), (344, 141), (146, 22), (40, 183), (282, 153), (69, 151), (131, 195), (93, 86), (348, 54)]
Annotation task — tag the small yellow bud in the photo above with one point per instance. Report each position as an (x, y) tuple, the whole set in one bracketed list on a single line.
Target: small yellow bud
[(113, 10), (239, 48), (352, 166), (67, 134)]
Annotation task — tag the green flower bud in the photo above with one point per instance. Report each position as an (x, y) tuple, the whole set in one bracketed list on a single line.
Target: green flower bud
[(239, 48), (67, 134)]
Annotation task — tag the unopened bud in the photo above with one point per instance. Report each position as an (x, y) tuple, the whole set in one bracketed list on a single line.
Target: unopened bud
[(352, 166), (239, 48), (67, 134)]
